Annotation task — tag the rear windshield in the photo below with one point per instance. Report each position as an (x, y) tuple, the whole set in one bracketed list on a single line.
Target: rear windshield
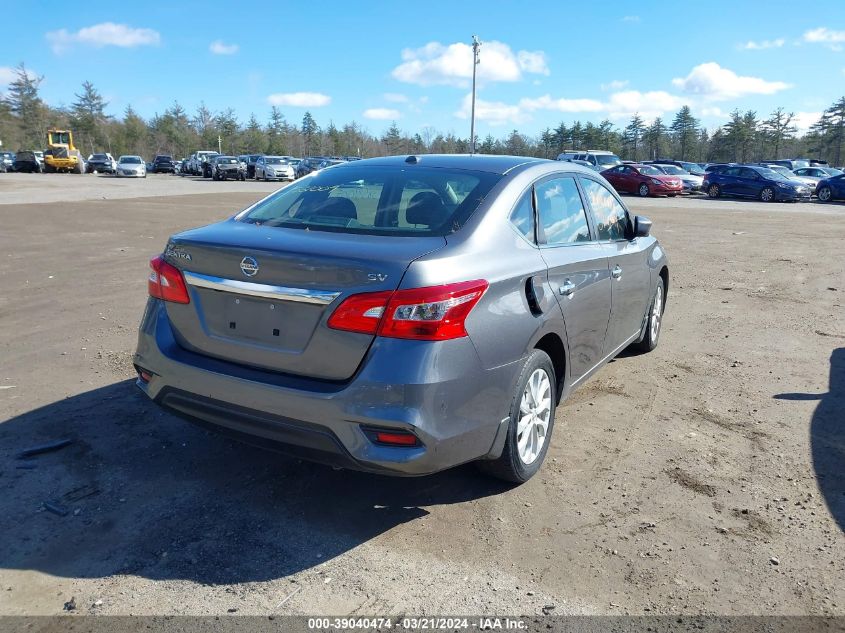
[(227, 160), (648, 170), (135, 160), (378, 200), (98, 157)]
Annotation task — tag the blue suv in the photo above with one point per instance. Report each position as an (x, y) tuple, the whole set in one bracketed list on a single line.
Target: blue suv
[(832, 188), (748, 181)]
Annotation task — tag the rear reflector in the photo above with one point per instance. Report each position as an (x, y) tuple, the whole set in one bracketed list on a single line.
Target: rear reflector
[(145, 376), (392, 437), (166, 282), (434, 313)]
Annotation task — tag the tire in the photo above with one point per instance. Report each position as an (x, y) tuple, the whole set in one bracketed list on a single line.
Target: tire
[(643, 190), (767, 194), (714, 191), (515, 464), (655, 318), (825, 194)]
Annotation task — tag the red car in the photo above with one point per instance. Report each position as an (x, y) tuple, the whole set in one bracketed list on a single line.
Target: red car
[(643, 180)]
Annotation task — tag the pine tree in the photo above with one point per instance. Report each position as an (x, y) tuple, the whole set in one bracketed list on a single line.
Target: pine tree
[(393, 140), (276, 130), (778, 129), (654, 139), (632, 136), (309, 132), (685, 130), (23, 100)]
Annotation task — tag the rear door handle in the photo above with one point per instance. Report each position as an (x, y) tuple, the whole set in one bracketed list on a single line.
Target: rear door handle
[(616, 273), (567, 289)]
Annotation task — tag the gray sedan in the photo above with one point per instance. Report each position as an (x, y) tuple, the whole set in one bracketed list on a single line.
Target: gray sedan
[(403, 315)]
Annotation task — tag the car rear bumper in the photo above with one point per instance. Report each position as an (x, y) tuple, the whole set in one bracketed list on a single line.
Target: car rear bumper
[(435, 390)]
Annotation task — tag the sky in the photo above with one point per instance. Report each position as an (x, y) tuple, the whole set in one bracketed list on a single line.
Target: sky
[(376, 62)]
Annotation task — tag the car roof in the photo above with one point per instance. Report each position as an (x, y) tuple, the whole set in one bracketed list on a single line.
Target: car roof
[(495, 164)]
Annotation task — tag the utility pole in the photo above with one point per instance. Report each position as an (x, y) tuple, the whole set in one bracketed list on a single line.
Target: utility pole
[(476, 44), (219, 144)]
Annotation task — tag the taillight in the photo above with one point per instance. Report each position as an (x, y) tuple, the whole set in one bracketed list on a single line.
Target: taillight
[(166, 282), (434, 313), (391, 437)]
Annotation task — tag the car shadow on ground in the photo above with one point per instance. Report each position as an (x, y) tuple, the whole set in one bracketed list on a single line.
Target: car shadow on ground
[(827, 437), (141, 492)]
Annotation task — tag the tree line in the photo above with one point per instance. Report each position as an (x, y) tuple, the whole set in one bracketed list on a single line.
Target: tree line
[(746, 137)]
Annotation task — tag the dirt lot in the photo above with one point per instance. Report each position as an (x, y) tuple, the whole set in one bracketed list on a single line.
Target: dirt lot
[(706, 477)]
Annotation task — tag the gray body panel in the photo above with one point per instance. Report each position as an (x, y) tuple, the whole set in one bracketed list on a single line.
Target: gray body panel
[(454, 394)]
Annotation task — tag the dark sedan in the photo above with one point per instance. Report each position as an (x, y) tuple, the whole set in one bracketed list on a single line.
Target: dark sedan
[(225, 167), (751, 181), (831, 188), (643, 180), (27, 162), (163, 163), (101, 164)]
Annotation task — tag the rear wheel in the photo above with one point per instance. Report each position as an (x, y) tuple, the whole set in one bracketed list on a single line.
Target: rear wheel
[(532, 418), (714, 191), (767, 194), (643, 190), (655, 319), (825, 194)]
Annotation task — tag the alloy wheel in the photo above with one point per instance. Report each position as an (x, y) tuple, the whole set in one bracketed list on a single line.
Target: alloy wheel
[(656, 313), (535, 410)]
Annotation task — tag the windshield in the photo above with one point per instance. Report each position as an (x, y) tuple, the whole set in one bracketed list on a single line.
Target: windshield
[(797, 164), (135, 160), (693, 168), (832, 171), (783, 171), (377, 200), (274, 160), (648, 170), (608, 159), (227, 160), (771, 174), (98, 157), (673, 170)]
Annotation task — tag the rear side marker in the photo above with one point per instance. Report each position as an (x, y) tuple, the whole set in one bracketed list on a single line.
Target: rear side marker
[(392, 437)]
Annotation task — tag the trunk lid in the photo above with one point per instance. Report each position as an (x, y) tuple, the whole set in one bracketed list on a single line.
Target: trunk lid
[(260, 296)]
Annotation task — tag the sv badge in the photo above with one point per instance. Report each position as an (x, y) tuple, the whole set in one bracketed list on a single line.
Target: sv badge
[(376, 277)]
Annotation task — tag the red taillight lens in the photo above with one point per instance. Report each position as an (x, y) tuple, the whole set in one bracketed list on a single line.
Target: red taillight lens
[(390, 437), (166, 282), (435, 313), (360, 313)]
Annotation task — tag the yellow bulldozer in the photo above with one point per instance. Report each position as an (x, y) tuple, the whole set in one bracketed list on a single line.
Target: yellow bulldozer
[(61, 155)]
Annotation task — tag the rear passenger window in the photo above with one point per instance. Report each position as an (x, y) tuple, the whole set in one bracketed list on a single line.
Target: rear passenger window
[(522, 217), (612, 221), (561, 211)]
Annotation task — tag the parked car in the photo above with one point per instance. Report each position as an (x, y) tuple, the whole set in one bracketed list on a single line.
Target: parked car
[(832, 188), (791, 164), (177, 166), (274, 168), (102, 163), (791, 175), (815, 174), (226, 167), (691, 183), (307, 165), (644, 180), (583, 163), (599, 158), (27, 161), (163, 163), (198, 160), (345, 329), (7, 160), (692, 168), (250, 160), (751, 181), (130, 166), (206, 163)]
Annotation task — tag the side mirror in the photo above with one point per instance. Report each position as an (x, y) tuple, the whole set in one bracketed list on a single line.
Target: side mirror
[(642, 226)]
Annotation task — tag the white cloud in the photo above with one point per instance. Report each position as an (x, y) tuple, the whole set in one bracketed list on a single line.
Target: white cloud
[(616, 84), (382, 114), (395, 97), (751, 45), (7, 75), (647, 104), (493, 112), (714, 83), (105, 34), (803, 120), (219, 48), (451, 65), (561, 105), (631, 18), (299, 99), (822, 35), (533, 62), (714, 112)]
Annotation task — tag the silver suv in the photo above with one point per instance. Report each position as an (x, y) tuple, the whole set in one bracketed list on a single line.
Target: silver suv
[(403, 315), (598, 159)]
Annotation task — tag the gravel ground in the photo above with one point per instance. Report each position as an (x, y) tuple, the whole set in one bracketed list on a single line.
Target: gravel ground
[(704, 478)]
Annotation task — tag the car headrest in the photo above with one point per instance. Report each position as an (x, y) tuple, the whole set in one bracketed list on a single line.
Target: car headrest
[(336, 208), (426, 208)]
